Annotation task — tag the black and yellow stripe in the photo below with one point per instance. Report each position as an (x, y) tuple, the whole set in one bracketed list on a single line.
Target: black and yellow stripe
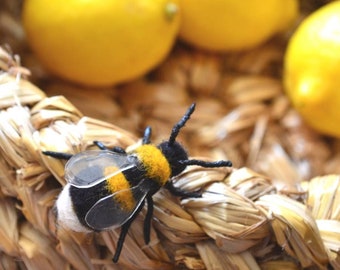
[(153, 169), (119, 183), (157, 167)]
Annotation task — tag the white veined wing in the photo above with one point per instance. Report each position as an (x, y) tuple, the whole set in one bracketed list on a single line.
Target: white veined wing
[(110, 212), (88, 168)]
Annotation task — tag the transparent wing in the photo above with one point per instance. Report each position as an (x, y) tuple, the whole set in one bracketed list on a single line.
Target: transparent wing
[(88, 168), (111, 212)]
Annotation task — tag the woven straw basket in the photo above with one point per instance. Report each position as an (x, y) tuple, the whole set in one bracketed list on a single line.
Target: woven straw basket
[(277, 208)]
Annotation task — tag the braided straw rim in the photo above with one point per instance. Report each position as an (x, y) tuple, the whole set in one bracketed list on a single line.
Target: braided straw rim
[(242, 220)]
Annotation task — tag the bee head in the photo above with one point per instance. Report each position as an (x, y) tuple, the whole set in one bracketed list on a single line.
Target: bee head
[(174, 151)]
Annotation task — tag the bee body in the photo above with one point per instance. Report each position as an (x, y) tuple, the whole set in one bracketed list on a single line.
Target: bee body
[(107, 188)]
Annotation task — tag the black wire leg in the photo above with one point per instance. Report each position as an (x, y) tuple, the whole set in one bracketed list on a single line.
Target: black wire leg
[(180, 192), (123, 233), (100, 145), (115, 149), (147, 136), (207, 164), (148, 218), (57, 155), (118, 150)]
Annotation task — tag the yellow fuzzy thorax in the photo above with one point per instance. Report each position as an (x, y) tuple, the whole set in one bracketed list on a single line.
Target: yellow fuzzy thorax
[(156, 165), (118, 182)]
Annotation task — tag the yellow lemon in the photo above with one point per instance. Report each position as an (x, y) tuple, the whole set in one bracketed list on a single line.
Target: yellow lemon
[(100, 42), (234, 24), (312, 69)]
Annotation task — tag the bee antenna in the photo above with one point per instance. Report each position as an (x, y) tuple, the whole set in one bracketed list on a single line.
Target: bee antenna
[(180, 124)]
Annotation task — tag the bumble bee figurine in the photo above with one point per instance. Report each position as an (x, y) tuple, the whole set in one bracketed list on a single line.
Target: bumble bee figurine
[(107, 188)]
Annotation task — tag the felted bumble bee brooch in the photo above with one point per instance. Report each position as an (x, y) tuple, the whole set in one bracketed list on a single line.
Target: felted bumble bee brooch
[(107, 188)]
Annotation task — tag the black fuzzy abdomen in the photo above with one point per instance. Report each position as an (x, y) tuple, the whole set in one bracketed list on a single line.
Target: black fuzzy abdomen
[(84, 198)]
